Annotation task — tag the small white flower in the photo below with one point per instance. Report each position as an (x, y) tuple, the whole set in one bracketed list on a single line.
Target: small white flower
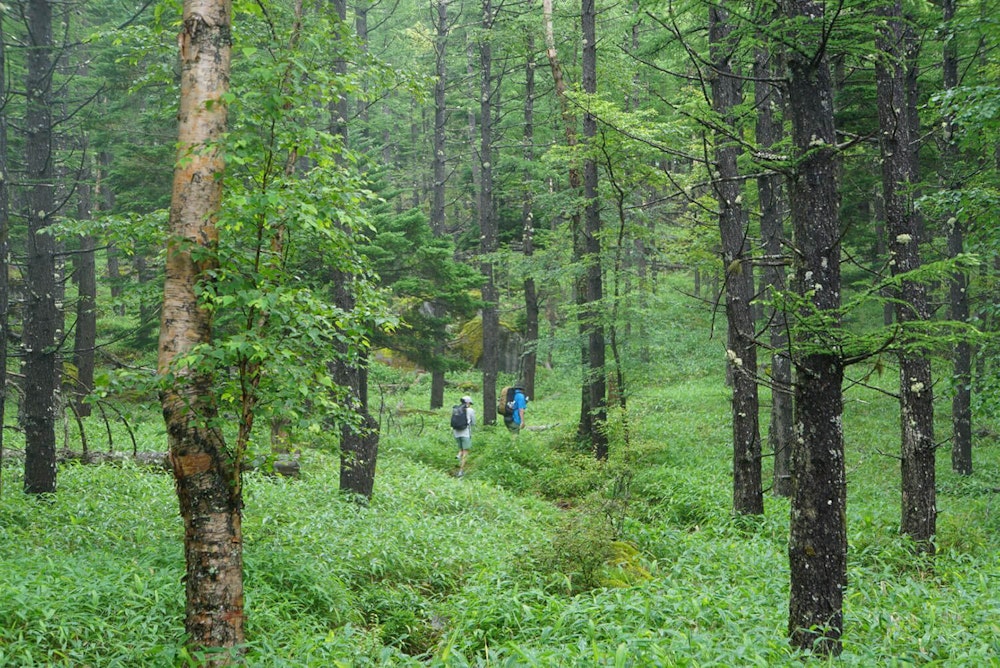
[(904, 238)]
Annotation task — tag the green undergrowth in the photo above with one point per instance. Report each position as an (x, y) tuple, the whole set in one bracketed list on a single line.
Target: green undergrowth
[(538, 556)]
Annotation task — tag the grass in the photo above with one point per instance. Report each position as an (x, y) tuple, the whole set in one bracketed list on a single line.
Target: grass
[(539, 556)]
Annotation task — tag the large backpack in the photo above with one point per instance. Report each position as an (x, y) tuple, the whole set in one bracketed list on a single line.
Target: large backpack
[(459, 417), (505, 401)]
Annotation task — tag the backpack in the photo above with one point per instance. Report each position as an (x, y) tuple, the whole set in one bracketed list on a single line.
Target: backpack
[(459, 417), (505, 401)]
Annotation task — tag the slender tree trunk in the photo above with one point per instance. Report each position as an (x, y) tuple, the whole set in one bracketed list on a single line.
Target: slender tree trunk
[(530, 359), (817, 547), (768, 130), (585, 427), (41, 319), (85, 332), (438, 164), (961, 403), (899, 177), (358, 444), (106, 201), (4, 247), (438, 161), (727, 94), (206, 472), (487, 219), (592, 243)]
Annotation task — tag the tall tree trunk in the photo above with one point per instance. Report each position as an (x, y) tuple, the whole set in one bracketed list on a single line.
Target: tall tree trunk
[(41, 319), (530, 359), (596, 346), (438, 163), (4, 247), (768, 131), (440, 116), (487, 220), (106, 201), (727, 94), (358, 444), (919, 511), (585, 427), (958, 293), (85, 332), (817, 547), (206, 472)]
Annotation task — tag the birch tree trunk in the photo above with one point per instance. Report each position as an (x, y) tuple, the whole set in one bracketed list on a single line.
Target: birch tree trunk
[(206, 472)]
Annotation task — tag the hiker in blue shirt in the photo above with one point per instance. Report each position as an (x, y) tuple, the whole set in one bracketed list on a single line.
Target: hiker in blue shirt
[(515, 421)]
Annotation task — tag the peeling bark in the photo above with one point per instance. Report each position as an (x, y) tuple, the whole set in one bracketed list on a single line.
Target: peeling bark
[(206, 472)]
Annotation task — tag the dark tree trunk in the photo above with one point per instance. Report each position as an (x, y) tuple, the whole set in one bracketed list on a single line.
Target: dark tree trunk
[(961, 403), (487, 221), (768, 131), (438, 164), (85, 333), (584, 429), (919, 511), (106, 200), (4, 248), (596, 347), (817, 548), (440, 117), (41, 319), (358, 445), (530, 359), (206, 472), (727, 94)]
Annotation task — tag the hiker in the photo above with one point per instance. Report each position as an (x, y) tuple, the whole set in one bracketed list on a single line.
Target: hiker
[(514, 416), (462, 419)]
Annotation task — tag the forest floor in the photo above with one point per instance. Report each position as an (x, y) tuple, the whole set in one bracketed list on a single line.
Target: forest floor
[(538, 556)]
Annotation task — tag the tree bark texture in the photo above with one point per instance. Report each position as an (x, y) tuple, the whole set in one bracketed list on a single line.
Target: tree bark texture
[(438, 164), (958, 289), (206, 473), (584, 428), (85, 332), (596, 345), (530, 359), (440, 117), (358, 444), (919, 511), (106, 199), (768, 132), (4, 247), (487, 219), (727, 94), (41, 316), (817, 548)]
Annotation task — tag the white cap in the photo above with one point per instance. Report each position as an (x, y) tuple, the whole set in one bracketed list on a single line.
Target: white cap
[(467, 400)]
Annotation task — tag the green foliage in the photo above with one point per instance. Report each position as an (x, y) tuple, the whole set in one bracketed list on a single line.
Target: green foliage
[(430, 289)]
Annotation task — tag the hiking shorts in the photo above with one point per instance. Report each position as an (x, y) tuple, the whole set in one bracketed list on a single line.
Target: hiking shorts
[(464, 442)]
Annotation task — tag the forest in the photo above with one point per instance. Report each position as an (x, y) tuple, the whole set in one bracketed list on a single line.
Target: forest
[(739, 257)]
